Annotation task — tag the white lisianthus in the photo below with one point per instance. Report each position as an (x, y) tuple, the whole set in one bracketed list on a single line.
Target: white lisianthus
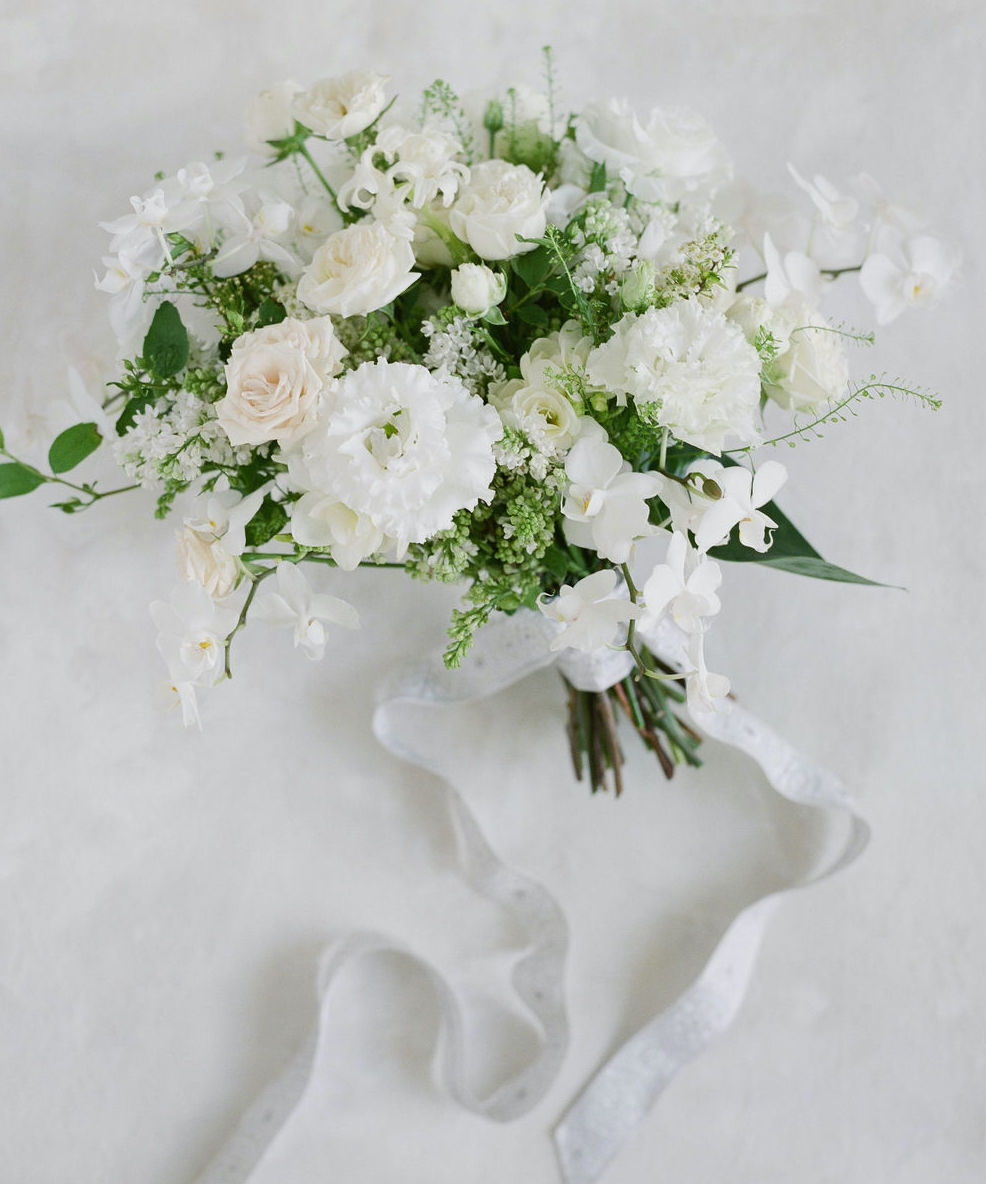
[(499, 202), (683, 586), (674, 153), (403, 448), (358, 270), (270, 116), (536, 403), (906, 273), (274, 379), (692, 369), (605, 506), (295, 605), (810, 368), (338, 108), (589, 611), (477, 288)]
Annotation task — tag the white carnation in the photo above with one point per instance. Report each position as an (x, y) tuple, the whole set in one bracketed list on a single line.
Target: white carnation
[(674, 153), (500, 202), (357, 270), (274, 379), (692, 364), (338, 108), (402, 448)]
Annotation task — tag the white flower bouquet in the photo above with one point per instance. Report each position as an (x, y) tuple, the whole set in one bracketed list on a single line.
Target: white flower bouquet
[(488, 343)]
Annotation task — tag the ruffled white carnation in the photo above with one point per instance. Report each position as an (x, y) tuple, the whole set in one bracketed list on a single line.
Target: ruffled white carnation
[(500, 202), (358, 270), (338, 108), (274, 379), (674, 153), (402, 448), (692, 368)]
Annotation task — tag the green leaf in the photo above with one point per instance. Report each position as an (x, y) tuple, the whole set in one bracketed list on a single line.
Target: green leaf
[(1, 439), (133, 407), (72, 446), (270, 313), (533, 266), (493, 316), (266, 523), (532, 314), (17, 479), (790, 551), (166, 344), (597, 178)]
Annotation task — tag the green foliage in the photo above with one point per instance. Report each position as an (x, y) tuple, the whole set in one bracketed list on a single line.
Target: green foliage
[(17, 479), (165, 351), (268, 521), (72, 446), (790, 551), (442, 103)]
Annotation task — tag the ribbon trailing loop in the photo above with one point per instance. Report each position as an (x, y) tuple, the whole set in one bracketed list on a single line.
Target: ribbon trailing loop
[(622, 1091)]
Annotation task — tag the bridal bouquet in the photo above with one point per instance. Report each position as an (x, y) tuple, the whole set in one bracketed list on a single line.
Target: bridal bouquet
[(491, 343)]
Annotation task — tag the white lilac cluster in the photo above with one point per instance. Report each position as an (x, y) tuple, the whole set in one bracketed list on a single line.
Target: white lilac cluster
[(497, 345)]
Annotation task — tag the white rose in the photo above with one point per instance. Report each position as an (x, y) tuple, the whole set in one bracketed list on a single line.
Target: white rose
[(500, 202), (338, 108), (274, 379), (320, 521), (270, 116), (357, 270), (203, 558), (673, 153), (477, 288), (812, 370)]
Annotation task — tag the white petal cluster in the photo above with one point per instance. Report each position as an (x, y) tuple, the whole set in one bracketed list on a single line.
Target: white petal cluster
[(908, 273), (589, 611), (692, 364), (400, 448), (338, 108), (208, 547), (715, 498), (296, 606), (405, 166), (477, 288)]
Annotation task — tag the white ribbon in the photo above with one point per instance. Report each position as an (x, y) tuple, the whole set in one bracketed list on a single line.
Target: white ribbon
[(624, 1089)]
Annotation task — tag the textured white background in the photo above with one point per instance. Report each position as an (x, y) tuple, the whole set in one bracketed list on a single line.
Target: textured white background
[(163, 896)]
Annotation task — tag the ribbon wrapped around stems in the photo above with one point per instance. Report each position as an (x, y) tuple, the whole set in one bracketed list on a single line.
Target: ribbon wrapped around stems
[(618, 1096)]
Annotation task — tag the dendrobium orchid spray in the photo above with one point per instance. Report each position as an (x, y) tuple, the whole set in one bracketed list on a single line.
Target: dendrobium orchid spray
[(491, 343)]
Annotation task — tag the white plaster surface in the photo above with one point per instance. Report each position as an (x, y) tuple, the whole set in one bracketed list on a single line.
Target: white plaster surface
[(164, 895)]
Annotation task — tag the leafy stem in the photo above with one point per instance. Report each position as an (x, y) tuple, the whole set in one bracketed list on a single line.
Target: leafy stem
[(831, 272), (255, 581)]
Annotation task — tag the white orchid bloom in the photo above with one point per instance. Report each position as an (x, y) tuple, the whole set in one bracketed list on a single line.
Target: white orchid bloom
[(743, 493), (884, 211), (838, 210), (913, 272), (794, 272), (227, 515), (140, 235), (250, 239), (297, 606), (605, 506), (589, 611), (684, 586), (193, 631), (706, 691)]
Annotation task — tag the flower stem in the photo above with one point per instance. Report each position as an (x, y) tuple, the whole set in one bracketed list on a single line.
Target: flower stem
[(303, 150), (255, 580)]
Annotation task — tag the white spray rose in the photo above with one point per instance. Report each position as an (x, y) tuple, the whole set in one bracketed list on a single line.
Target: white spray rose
[(338, 108), (358, 270), (477, 288), (274, 379), (499, 202), (270, 116)]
